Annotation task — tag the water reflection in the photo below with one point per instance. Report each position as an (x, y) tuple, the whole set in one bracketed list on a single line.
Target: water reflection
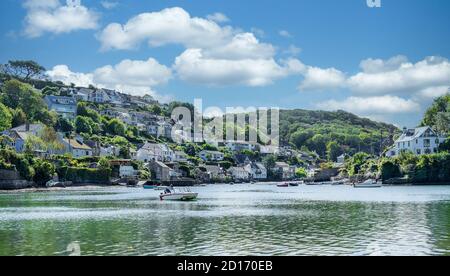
[(238, 220)]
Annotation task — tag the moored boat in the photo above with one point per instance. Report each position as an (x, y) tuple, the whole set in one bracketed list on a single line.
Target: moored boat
[(370, 183), (293, 184), (174, 195), (283, 185)]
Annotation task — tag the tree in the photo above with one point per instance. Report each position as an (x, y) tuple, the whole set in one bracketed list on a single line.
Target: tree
[(156, 109), (5, 118), (333, 151), (85, 111), (18, 117), (20, 95), (50, 91), (116, 127), (104, 164), (301, 173), (64, 125), (43, 171), (24, 69), (82, 125)]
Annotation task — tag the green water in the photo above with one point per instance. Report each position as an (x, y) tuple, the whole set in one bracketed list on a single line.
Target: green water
[(229, 220)]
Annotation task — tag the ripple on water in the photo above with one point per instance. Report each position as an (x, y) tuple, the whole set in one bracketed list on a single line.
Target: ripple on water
[(230, 220)]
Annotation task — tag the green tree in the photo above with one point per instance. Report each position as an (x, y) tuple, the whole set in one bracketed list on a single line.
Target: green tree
[(20, 95), (83, 125), (43, 171), (64, 125), (116, 127), (301, 173), (333, 151), (18, 117), (23, 69), (5, 118), (104, 164)]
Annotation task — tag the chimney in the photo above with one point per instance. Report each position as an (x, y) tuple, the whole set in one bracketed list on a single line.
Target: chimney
[(405, 130)]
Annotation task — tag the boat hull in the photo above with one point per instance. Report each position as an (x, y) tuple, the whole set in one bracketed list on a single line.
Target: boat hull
[(179, 197), (368, 186)]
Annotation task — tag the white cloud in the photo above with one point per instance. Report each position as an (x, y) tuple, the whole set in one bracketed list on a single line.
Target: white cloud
[(218, 17), (64, 74), (109, 4), (285, 34), (129, 76), (49, 16), (242, 46), (320, 79), (401, 76), (169, 26), (133, 73), (194, 67), (434, 92), (372, 105), (378, 77), (293, 50)]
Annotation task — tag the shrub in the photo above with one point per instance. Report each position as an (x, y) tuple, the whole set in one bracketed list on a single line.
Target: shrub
[(44, 171)]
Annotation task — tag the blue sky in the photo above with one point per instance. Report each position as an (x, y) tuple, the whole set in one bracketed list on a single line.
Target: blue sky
[(385, 63)]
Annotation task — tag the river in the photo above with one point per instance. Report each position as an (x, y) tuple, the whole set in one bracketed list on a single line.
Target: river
[(226, 220)]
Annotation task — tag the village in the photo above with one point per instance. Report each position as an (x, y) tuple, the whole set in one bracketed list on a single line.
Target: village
[(156, 155)]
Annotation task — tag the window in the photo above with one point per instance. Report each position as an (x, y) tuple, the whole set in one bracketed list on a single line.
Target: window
[(426, 143), (409, 144), (427, 151), (437, 141), (419, 151), (417, 141)]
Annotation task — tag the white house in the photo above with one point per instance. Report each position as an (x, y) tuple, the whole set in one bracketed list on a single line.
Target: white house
[(180, 156), (146, 155), (127, 171), (77, 148), (422, 140), (155, 152), (240, 146), (64, 106), (209, 155), (239, 173), (99, 96), (257, 171)]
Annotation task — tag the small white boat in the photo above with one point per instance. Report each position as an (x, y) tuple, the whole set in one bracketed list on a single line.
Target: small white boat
[(185, 195), (370, 183)]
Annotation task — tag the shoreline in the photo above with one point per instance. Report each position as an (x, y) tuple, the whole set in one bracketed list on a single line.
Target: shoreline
[(99, 186)]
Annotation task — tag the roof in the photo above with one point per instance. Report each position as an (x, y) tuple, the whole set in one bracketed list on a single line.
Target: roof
[(61, 100), (412, 134), (214, 169), (32, 128), (77, 144), (212, 152), (281, 164)]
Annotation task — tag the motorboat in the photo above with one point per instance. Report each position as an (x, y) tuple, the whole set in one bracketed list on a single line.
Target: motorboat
[(283, 185), (293, 184), (161, 188), (370, 183), (174, 195)]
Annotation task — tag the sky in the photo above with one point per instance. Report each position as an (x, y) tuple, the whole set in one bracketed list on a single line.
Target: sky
[(386, 63)]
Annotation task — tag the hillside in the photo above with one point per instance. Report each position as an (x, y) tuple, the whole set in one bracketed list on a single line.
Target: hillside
[(334, 133)]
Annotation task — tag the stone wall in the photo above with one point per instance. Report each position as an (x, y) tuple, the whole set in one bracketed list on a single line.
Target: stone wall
[(11, 180)]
